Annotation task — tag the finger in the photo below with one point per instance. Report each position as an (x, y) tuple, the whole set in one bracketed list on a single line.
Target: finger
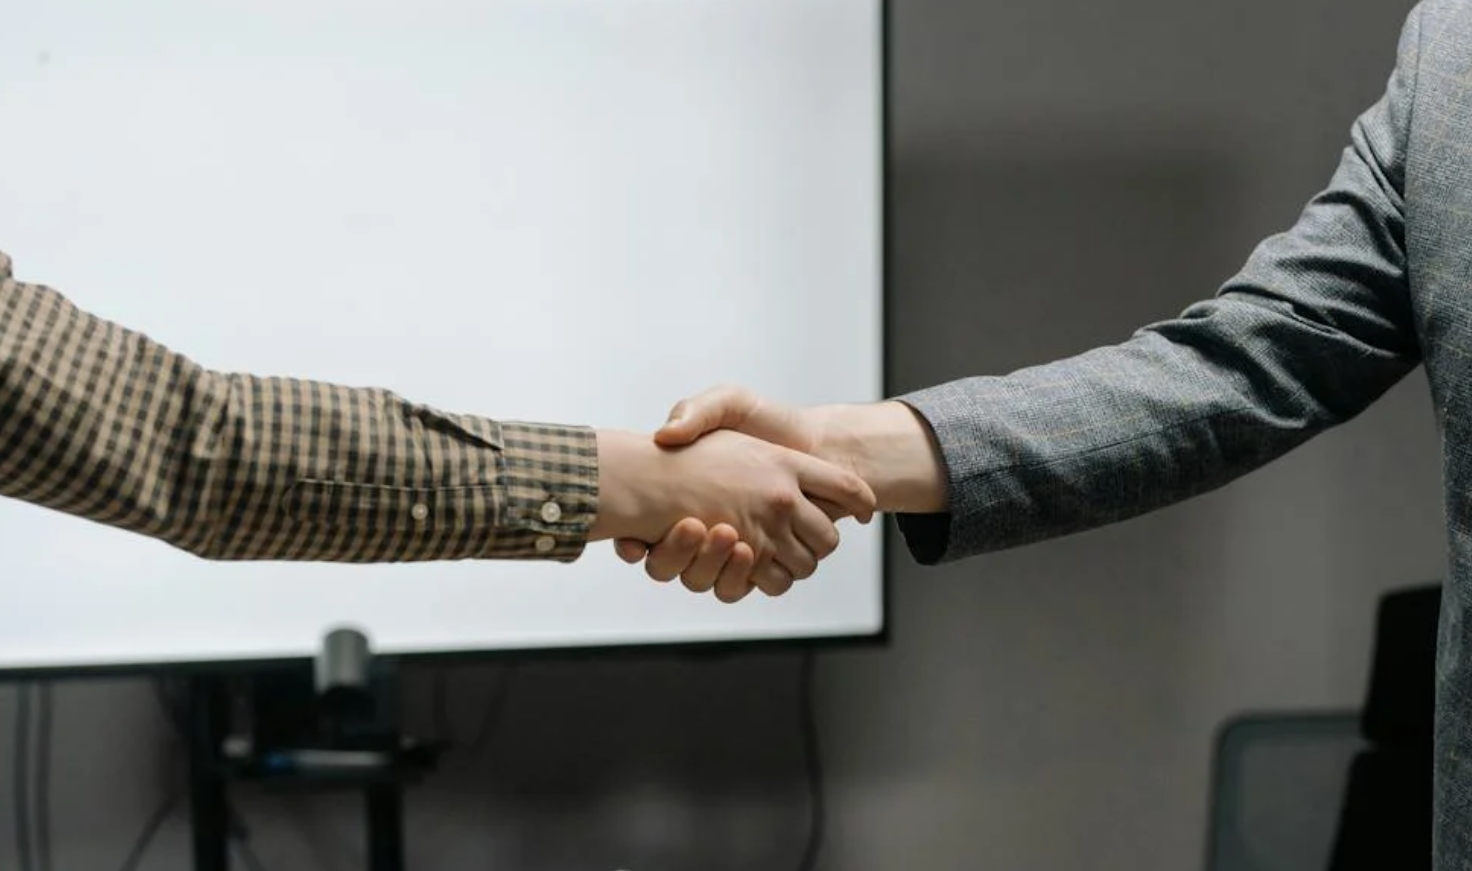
[(796, 557), (631, 550), (815, 530), (823, 480), (835, 513), (736, 577), (772, 578), (723, 407), (674, 553), (714, 551)]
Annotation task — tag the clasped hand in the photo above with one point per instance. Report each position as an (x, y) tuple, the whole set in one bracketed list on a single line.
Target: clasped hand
[(732, 494)]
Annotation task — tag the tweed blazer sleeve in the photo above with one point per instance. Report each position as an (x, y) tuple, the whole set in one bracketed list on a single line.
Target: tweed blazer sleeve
[(1315, 326), (103, 423)]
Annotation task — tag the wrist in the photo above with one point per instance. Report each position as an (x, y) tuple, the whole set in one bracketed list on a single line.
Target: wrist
[(891, 447), (624, 460)]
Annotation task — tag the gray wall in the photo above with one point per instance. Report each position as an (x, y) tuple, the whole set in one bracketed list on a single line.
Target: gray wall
[(1066, 171)]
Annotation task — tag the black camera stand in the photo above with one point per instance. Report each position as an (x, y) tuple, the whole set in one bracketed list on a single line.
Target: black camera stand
[(332, 724)]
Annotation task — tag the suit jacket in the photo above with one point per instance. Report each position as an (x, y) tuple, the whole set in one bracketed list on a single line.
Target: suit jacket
[(1373, 279), (106, 424)]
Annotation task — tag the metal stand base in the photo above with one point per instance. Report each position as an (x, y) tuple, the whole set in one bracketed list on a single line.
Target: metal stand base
[(301, 737)]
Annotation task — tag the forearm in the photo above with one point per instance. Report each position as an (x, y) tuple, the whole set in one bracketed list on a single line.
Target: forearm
[(1181, 409), (103, 423)]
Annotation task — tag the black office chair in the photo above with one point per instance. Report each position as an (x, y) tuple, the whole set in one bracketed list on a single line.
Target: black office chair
[(1339, 790)]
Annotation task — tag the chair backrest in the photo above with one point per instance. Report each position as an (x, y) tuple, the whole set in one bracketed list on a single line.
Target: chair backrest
[(1279, 783), (1341, 790), (1400, 702)]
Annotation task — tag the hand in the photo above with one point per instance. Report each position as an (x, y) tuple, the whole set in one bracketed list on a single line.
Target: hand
[(686, 554), (733, 407), (703, 559), (886, 443), (768, 494)]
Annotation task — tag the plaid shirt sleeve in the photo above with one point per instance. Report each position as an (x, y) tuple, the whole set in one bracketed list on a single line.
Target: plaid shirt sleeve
[(102, 423)]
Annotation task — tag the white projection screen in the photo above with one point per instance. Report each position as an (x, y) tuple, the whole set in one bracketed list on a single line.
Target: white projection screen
[(572, 211)]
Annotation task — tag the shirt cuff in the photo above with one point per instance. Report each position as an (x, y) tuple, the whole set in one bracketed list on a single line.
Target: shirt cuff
[(928, 536), (550, 477)]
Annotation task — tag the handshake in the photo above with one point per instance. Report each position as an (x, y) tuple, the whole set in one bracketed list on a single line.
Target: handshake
[(736, 492)]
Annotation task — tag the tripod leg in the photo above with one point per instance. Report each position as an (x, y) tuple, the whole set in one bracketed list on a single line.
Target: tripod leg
[(385, 826)]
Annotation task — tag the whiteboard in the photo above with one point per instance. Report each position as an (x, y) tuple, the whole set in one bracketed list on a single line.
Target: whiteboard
[(570, 211)]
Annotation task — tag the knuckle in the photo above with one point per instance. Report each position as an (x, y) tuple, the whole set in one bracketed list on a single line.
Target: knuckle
[(783, 501), (723, 534), (730, 391)]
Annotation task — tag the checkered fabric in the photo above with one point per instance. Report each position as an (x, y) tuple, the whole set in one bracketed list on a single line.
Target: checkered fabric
[(103, 423)]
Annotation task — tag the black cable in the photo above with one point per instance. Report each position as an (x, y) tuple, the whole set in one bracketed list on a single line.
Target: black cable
[(491, 718), (172, 709), (240, 837), (440, 708), (21, 778), (43, 778), (174, 717), (248, 856), (150, 829), (809, 719)]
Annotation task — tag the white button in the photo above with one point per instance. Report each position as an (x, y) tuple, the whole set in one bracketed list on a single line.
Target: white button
[(420, 511), (546, 543), (551, 512)]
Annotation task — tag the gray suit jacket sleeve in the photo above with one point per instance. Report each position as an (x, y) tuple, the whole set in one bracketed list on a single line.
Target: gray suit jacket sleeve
[(1314, 328)]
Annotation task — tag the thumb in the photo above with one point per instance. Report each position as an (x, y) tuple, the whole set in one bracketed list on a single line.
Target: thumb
[(681, 428), (717, 408)]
